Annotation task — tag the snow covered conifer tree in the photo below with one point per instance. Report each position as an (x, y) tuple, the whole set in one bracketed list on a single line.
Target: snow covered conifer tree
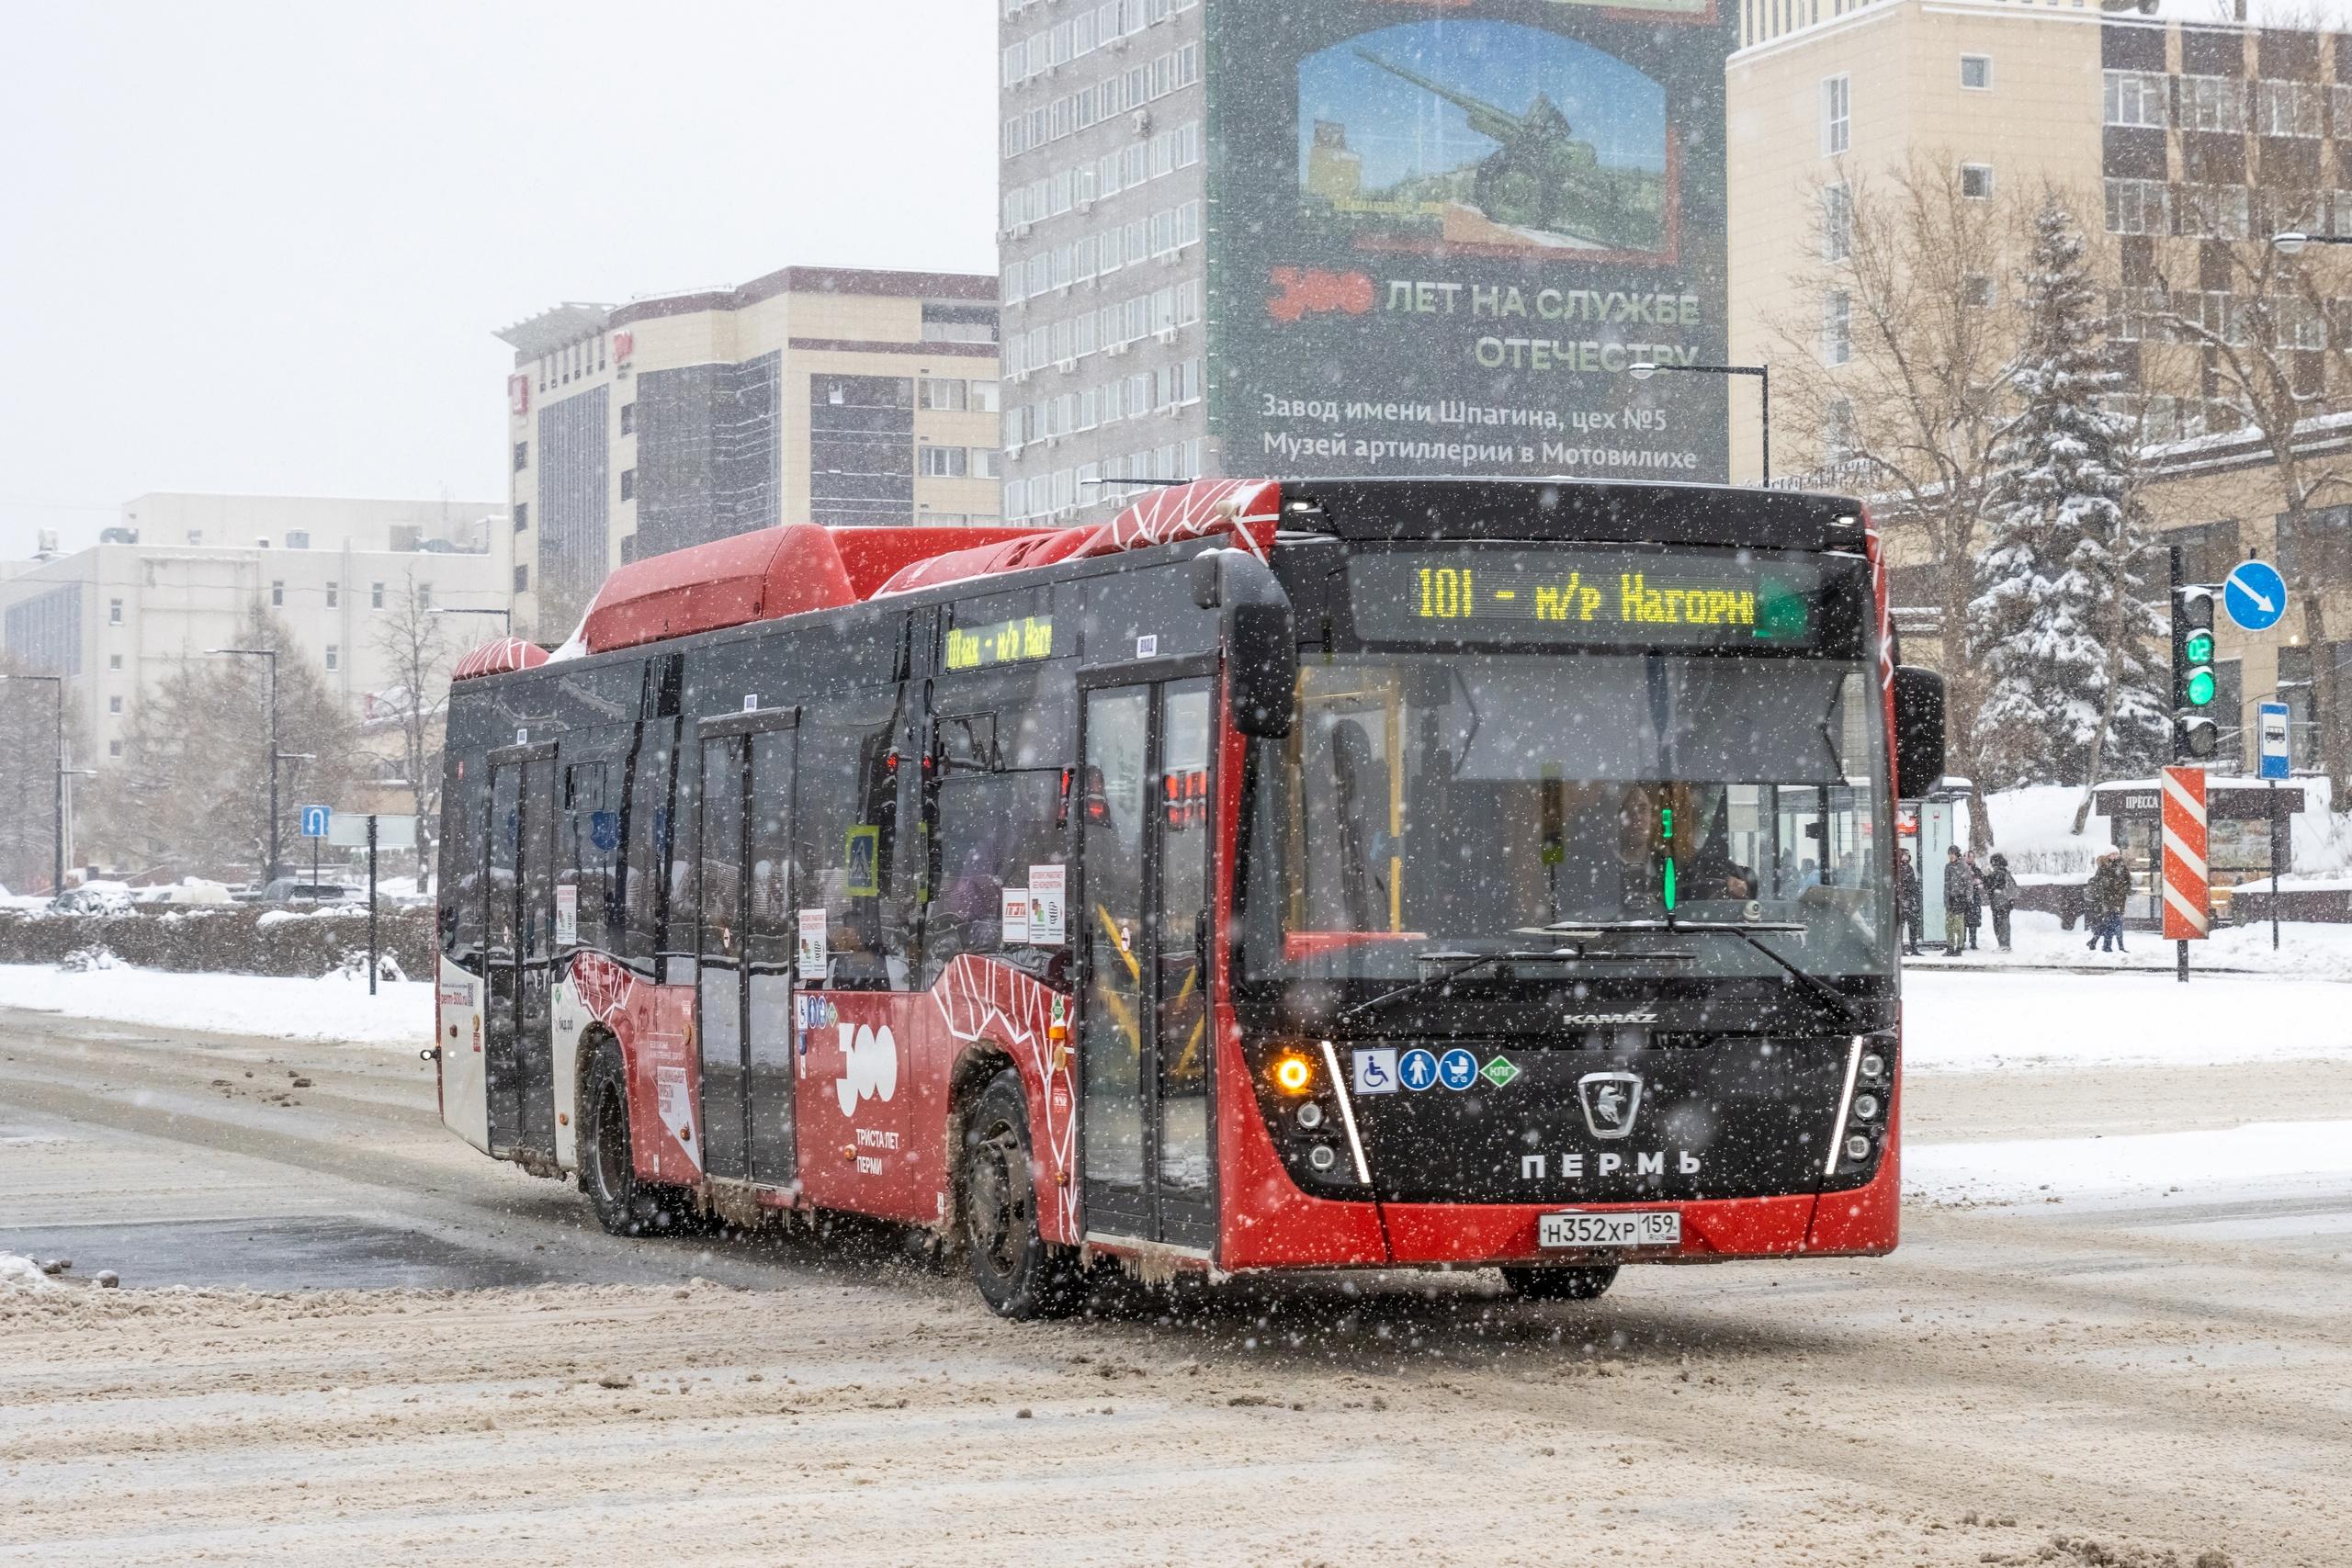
[(2062, 635)]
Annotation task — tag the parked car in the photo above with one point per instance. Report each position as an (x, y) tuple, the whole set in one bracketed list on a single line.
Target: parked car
[(96, 899), (286, 890), (193, 890)]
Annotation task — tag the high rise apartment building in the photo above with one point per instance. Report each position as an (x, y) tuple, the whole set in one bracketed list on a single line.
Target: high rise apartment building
[(819, 395), (1104, 189)]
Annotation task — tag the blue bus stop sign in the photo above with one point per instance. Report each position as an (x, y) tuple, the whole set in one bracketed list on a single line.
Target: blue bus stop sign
[(2255, 595), (2278, 760), (315, 821)]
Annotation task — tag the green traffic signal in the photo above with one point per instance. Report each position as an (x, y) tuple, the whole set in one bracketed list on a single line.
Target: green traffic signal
[(2198, 647), (2200, 687)]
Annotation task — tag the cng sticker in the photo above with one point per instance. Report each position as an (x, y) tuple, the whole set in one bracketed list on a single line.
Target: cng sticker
[(1500, 1071)]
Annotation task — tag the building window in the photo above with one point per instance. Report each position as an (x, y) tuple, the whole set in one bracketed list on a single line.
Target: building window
[(628, 484), (2138, 207), (298, 539), (628, 418), (114, 748), (2287, 109), (1836, 223), (522, 456), (2135, 97), (943, 462), (2209, 103), (114, 660), (1976, 73), (2214, 212), (988, 463), (945, 394), (335, 657), (1836, 327), (1976, 180), (984, 396), (114, 704), (1979, 292), (1837, 115), (114, 612), (522, 580), (424, 594), (334, 598), (522, 516), (276, 596), (374, 595)]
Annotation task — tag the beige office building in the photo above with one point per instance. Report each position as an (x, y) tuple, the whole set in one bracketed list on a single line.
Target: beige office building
[(2169, 135), (817, 395)]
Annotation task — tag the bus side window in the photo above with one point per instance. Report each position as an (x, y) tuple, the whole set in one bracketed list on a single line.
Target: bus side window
[(591, 837), (846, 821), (463, 851), (647, 832)]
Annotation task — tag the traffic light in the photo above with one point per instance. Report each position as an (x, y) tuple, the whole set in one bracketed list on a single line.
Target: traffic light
[(2194, 734)]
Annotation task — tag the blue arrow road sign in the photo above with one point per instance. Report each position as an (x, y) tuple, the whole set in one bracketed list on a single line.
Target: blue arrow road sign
[(315, 820), (2256, 595)]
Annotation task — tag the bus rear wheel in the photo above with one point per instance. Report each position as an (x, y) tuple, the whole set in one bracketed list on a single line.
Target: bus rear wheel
[(1018, 1272), (624, 1205), (1560, 1284)]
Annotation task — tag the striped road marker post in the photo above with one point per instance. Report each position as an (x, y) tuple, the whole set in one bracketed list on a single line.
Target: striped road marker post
[(2187, 896)]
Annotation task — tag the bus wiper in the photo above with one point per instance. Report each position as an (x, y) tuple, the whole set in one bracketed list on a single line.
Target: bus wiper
[(1746, 932), (1463, 964)]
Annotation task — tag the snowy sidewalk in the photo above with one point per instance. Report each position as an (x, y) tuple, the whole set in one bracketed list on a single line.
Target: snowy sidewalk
[(2258, 1159), (262, 1006), (2306, 950)]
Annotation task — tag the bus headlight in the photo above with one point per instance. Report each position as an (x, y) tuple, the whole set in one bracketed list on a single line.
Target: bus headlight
[(1310, 1116), (1865, 1107)]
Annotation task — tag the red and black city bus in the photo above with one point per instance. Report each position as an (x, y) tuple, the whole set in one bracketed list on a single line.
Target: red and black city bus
[(1370, 873)]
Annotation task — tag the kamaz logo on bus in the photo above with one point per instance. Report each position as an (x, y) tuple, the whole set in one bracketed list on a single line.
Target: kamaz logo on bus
[(1603, 1020)]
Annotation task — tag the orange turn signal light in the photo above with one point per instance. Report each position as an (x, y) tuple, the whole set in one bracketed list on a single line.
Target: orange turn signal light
[(1294, 1074)]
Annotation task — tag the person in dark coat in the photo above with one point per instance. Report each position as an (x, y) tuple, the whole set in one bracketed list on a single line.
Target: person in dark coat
[(1975, 897), (1959, 882), (1910, 901), (2109, 893), (2001, 897)]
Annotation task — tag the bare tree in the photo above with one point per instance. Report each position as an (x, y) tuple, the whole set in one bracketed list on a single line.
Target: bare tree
[(1897, 373), (191, 789), (414, 645)]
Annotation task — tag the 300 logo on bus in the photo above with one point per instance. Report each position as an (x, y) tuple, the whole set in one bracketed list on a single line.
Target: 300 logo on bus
[(869, 1065)]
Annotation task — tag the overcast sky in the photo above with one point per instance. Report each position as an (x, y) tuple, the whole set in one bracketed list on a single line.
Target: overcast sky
[(261, 247)]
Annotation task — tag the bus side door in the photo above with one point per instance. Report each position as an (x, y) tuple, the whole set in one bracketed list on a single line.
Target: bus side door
[(1143, 1020), (518, 1046)]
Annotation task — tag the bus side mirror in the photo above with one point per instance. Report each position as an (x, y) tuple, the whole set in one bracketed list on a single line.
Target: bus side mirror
[(1261, 638), (1919, 732)]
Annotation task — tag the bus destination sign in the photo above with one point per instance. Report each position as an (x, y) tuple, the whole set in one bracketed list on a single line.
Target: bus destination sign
[(1585, 596), (1005, 642)]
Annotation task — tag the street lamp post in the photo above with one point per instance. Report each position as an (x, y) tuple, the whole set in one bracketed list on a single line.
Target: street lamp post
[(271, 654), (57, 882), (1642, 370)]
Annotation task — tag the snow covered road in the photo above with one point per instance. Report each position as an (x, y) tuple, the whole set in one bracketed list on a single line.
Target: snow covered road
[(2129, 1371)]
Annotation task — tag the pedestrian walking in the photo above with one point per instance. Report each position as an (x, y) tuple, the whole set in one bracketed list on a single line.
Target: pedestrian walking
[(1975, 897), (2109, 893), (1958, 879), (1910, 901), (2001, 897)]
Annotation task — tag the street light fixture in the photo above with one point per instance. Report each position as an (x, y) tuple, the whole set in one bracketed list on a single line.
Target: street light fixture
[(270, 654), (1643, 369), (56, 882), (2293, 242)]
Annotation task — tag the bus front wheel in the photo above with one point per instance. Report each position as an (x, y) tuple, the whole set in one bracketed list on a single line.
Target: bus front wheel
[(1560, 1284), (1019, 1273)]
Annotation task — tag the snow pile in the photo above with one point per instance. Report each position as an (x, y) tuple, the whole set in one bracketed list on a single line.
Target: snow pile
[(268, 1007), (2034, 827), (83, 960), (21, 1274), (1955, 1022), (2281, 1158)]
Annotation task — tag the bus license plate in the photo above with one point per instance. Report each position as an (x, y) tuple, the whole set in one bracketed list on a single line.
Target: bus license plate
[(1645, 1228)]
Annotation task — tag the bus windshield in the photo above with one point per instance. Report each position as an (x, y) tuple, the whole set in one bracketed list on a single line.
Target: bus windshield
[(1483, 803)]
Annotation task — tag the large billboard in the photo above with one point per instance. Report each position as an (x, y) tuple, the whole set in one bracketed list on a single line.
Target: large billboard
[(1441, 232)]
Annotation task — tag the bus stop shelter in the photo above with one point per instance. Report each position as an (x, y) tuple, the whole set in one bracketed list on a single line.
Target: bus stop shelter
[(2248, 822)]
